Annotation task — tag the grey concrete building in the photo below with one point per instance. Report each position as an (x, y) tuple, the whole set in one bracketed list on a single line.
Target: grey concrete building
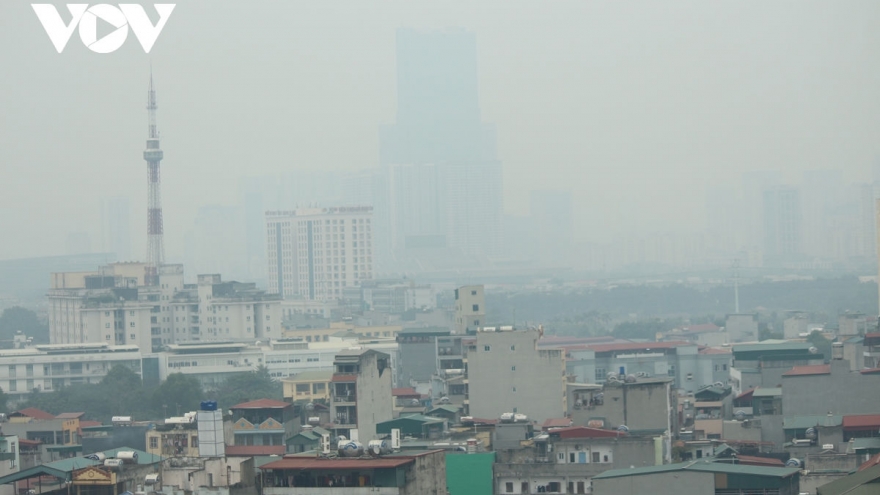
[(763, 364), (647, 405), (417, 348), (563, 460), (506, 372), (690, 367), (833, 389), (360, 393), (742, 327), (470, 308)]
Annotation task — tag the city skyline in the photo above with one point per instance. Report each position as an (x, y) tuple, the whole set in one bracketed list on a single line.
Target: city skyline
[(543, 121)]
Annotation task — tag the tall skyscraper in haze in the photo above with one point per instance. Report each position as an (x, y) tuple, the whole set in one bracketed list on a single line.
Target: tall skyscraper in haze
[(439, 124), (782, 224), (115, 222)]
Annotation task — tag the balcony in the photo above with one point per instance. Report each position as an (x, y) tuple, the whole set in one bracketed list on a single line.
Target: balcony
[(345, 398)]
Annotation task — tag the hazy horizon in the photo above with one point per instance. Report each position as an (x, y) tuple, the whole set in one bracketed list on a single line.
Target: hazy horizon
[(638, 111)]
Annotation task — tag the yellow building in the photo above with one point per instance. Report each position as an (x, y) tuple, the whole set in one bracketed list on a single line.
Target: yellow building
[(308, 386)]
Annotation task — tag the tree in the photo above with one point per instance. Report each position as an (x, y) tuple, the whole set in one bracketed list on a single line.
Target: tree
[(179, 392), (17, 319), (4, 401), (820, 342), (248, 386)]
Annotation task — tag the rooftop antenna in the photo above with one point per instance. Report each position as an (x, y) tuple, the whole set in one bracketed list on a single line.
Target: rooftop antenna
[(736, 285)]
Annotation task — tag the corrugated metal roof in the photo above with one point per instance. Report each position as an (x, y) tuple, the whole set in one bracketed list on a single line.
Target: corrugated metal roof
[(254, 450), (556, 423), (750, 460), (767, 392), (772, 347), (854, 484), (703, 466), (585, 432), (404, 392), (815, 369), (70, 415), (262, 404), (638, 346), (861, 421), (804, 422), (338, 463), (869, 443)]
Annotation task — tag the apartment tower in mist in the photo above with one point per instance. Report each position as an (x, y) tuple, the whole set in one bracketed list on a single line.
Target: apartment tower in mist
[(443, 177), (314, 253)]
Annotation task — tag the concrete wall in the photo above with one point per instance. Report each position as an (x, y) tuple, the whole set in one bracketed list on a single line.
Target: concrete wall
[(639, 406), (734, 430), (512, 375), (672, 483), (375, 403), (842, 392), (418, 361), (771, 431), (428, 475)]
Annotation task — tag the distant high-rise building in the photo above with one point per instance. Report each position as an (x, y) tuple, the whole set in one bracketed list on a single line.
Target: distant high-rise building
[(753, 186), (314, 253), (782, 223), (552, 216), (115, 220), (416, 212), (439, 133)]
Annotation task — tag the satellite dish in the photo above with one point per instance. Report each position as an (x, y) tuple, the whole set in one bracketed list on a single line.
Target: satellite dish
[(811, 433), (719, 384), (310, 406), (793, 462), (814, 350), (623, 428)]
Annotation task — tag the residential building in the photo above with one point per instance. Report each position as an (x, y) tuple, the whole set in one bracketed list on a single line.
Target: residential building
[(45, 368), (870, 346), (311, 257), (690, 367), (742, 327), (260, 427), (764, 363), (308, 386), (642, 405), (706, 334), (361, 393), (843, 392), (175, 437), (470, 308), (415, 425), (505, 371), (10, 452), (563, 460), (396, 474), (698, 478), (864, 481), (419, 352), (86, 474)]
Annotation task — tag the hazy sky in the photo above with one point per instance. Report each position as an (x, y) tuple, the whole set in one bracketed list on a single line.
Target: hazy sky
[(636, 106)]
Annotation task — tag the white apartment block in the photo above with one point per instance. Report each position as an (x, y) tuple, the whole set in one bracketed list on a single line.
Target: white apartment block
[(112, 306), (45, 368), (315, 253)]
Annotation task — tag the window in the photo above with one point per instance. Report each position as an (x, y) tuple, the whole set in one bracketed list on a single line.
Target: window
[(133, 336), (513, 368), (513, 389), (671, 370), (131, 324), (690, 376), (473, 293), (13, 386), (476, 307), (596, 457), (724, 367), (600, 374), (513, 348), (487, 348), (717, 367), (154, 443), (106, 325), (131, 313), (508, 487), (106, 313)]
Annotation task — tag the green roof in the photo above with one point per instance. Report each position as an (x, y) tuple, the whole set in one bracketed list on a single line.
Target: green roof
[(418, 417), (767, 392), (445, 407), (703, 466), (424, 331), (866, 443), (64, 448), (864, 482), (804, 422), (63, 468)]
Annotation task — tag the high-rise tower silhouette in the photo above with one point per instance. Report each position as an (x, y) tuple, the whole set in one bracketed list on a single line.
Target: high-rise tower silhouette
[(153, 155)]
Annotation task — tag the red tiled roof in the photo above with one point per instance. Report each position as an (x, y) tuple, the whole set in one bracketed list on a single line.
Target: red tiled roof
[(585, 432), (70, 415), (404, 392), (89, 423), (25, 441), (33, 412), (344, 378), (314, 463), (870, 462), (750, 460), (748, 392), (252, 450), (814, 369), (872, 335), (556, 423), (637, 346), (861, 422), (870, 371), (263, 404)]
